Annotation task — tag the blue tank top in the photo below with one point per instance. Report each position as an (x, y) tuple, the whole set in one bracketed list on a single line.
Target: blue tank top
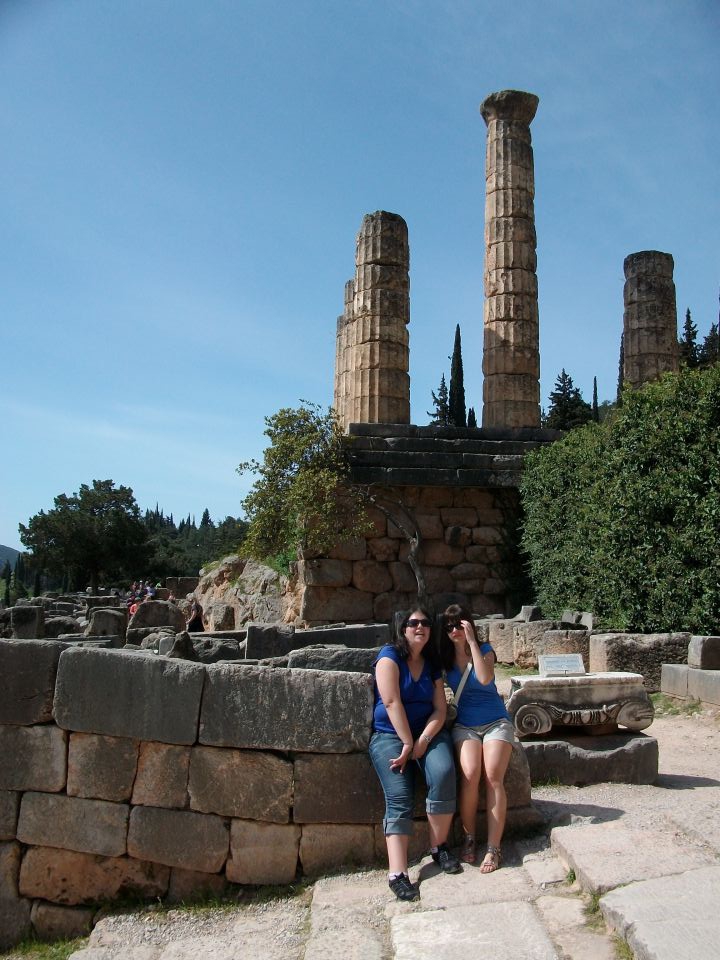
[(480, 703), (416, 695)]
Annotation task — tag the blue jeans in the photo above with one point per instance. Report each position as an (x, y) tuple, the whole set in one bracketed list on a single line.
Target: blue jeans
[(437, 767)]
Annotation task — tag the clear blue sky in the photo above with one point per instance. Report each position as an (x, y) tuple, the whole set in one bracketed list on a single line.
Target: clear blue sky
[(181, 182)]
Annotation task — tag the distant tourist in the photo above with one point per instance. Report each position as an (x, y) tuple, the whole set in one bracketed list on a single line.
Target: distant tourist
[(409, 737), (195, 618), (483, 733)]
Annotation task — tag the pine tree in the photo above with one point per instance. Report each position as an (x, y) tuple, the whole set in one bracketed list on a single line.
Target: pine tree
[(440, 416), (688, 342), (205, 520), (621, 370), (456, 398), (595, 408), (709, 352), (567, 407), (472, 419)]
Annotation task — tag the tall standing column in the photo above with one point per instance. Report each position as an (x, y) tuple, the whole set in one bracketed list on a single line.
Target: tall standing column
[(372, 382), (650, 317), (511, 347)]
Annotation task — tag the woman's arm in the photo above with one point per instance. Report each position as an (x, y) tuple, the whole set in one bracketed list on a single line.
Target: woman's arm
[(435, 721), (483, 663), (387, 677)]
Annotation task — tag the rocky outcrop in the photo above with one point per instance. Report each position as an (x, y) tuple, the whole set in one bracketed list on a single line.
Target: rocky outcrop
[(236, 591)]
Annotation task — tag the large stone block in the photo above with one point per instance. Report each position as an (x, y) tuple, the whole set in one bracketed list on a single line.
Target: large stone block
[(268, 640), (27, 622), (309, 710), (73, 823), (372, 576), (540, 638), (356, 635), (325, 847), (578, 761), (501, 637), (241, 783), (325, 573), (704, 685), (10, 856), (63, 876), (27, 680), (638, 653), (355, 796), (101, 767), (33, 758), (162, 776), (107, 621), (9, 803), (704, 653), (262, 852), (332, 604), (178, 838), (15, 922), (674, 680), (158, 613), (187, 886), (333, 658), (113, 693), (53, 922)]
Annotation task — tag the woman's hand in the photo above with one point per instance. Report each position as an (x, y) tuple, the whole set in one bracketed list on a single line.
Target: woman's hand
[(397, 764), (469, 632)]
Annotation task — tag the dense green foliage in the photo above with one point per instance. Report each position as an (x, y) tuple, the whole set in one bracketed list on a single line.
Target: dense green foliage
[(302, 497), (567, 408), (623, 518), (180, 550)]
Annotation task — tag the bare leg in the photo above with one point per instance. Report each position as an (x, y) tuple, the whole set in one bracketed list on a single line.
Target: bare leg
[(397, 848), (470, 757), (496, 754), (439, 827)]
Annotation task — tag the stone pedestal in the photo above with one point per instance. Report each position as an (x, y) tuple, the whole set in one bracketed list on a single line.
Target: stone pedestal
[(511, 354), (650, 317)]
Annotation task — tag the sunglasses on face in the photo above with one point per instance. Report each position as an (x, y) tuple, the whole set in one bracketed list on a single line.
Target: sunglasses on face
[(418, 623), (454, 626)]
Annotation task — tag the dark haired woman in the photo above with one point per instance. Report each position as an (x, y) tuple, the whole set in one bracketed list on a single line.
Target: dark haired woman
[(483, 733), (408, 735)]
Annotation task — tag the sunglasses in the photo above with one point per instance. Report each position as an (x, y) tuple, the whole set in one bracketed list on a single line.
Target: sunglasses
[(454, 626), (418, 623)]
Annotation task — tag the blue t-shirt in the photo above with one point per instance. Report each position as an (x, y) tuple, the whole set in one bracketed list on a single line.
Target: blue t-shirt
[(416, 695), (480, 703)]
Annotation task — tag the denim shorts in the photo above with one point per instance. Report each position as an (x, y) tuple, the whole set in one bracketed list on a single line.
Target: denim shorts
[(436, 766), (501, 729)]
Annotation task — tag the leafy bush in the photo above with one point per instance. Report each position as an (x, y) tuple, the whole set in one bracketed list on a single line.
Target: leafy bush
[(623, 518)]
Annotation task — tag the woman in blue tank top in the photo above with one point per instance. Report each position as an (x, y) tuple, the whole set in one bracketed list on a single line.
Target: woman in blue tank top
[(483, 733)]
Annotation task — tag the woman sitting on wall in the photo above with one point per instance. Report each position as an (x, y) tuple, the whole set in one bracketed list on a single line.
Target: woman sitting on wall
[(408, 736), (483, 733)]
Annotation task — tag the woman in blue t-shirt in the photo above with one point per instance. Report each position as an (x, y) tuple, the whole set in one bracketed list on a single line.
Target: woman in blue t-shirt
[(408, 735), (483, 733)]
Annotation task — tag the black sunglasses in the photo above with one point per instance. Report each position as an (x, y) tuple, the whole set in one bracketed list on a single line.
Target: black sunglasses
[(418, 623), (453, 625)]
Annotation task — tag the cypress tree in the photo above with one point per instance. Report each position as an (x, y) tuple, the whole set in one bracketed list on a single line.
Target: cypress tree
[(595, 408), (621, 370), (472, 420), (456, 399), (688, 342)]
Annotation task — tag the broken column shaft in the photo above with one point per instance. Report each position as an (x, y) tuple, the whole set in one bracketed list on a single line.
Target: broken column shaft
[(650, 317)]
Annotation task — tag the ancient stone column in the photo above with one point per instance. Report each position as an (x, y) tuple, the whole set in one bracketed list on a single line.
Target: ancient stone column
[(372, 383), (650, 317), (511, 348)]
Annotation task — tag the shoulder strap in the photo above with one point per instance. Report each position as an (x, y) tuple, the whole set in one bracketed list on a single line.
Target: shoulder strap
[(461, 685)]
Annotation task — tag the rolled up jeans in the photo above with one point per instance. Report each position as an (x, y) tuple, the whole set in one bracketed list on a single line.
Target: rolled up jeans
[(436, 766)]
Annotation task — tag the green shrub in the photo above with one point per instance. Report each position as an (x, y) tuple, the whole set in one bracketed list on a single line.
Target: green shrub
[(623, 518)]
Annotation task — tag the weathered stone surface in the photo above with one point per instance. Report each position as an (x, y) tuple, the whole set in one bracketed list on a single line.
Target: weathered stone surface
[(439, 553), (66, 877), (262, 852), (333, 658), (650, 317), (372, 576), (27, 622), (704, 685), (578, 761), (162, 776), (501, 636), (326, 573), (356, 796), (638, 653), (356, 635), (55, 626), (241, 783), (704, 653), (27, 679), (674, 680), (187, 886), (311, 710), (158, 613), (178, 838), (14, 921), (133, 696), (403, 579), (530, 641), (333, 604), (9, 804), (73, 823), (349, 550), (325, 847), (33, 758), (269, 640), (107, 621), (101, 767), (383, 549), (53, 922), (10, 856)]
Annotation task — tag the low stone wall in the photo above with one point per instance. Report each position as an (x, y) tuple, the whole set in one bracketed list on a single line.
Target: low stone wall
[(638, 653), (128, 774)]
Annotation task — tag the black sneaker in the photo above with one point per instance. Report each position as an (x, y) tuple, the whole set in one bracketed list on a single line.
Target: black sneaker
[(403, 889), (446, 860)]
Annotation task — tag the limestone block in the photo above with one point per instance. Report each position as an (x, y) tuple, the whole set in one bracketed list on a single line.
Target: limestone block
[(383, 237), (508, 129), (539, 638), (34, 758), (53, 922), (142, 697), (73, 823), (509, 309), (458, 536), (373, 275), (356, 796), (240, 783), (55, 626), (158, 613), (325, 847), (66, 877), (500, 635), (403, 579), (512, 361), (101, 767), (350, 550), (438, 580), (27, 679), (511, 413), (269, 640), (674, 680), (578, 761), (333, 657), (639, 653), (107, 621), (262, 852), (309, 710), (646, 262), (512, 255), (325, 573), (510, 229), (704, 685), (513, 388), (438, 553), (366, 328), (380, 354), (383, 303), (510, 334), (468, 571), (487, 536), (9, 803), (333, 604), (506, 151), (513, 177), (14, 921), (27, 622), (383, 549), (187, 886), (10, 857), (178, 838), (478, 555), (371, 576), (356, 635), (162, 776), (508, 202), (430, 526), (459, 516), (704, 653), (385, 604)]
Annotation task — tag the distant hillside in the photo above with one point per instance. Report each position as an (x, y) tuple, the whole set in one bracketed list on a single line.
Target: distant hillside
[(7, 553)]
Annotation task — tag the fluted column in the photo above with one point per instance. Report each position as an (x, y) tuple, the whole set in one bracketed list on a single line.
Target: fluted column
[(372, 383), (650, 317), (511, 346)]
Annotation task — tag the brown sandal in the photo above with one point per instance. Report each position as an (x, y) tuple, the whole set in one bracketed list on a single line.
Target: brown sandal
[(491, 860)]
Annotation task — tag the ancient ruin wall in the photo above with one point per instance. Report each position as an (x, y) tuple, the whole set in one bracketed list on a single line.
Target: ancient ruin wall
[(372, 383), (511, 353), (650, 317)]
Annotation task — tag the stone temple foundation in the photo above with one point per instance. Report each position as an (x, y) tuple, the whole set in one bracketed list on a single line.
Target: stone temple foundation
[(650, 317)]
